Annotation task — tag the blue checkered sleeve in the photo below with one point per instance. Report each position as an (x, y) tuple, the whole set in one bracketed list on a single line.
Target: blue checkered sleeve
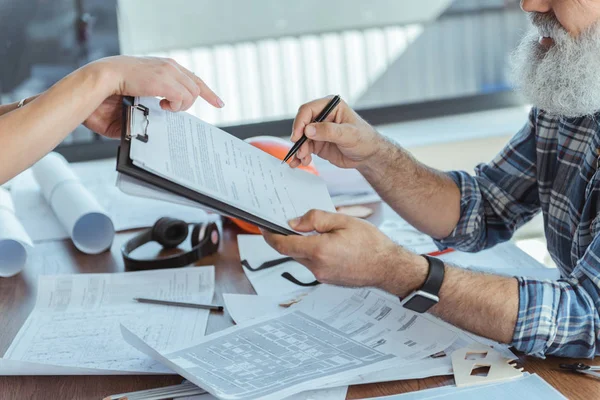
[(561, 318), (500, 198)]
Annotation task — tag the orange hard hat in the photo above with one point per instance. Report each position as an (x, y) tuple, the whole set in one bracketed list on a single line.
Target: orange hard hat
[(277, 147)]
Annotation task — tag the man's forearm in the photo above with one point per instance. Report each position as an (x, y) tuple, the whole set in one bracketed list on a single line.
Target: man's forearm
[(484, 304), (481, 303), (426, 198)]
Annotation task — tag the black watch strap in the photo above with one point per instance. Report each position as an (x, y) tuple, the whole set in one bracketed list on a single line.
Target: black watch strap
[(435, 276)]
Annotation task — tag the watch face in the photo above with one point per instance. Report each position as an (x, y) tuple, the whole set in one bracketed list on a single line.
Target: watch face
[(419, 303)]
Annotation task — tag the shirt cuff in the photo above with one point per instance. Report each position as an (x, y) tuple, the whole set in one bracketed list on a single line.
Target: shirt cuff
[(467, 235), (536, 326)]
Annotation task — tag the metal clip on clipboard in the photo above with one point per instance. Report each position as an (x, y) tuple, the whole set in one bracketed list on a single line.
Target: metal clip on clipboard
[(146, 111)]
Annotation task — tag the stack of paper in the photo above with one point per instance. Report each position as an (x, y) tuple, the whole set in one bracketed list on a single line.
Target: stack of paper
[(243, 308), (74, 327), (274, 290), (332, 336)]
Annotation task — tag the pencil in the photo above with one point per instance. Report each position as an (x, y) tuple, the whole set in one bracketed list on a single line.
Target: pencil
[(320, 118), (179, 304)]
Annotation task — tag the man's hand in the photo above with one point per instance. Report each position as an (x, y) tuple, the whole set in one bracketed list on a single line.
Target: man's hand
[(143, 76), (351, 252), (344, 139)]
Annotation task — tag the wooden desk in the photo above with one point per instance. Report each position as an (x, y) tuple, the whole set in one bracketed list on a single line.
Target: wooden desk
[(17, 298)]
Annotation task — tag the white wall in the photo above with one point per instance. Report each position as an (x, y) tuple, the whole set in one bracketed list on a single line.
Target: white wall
[(159, 25)]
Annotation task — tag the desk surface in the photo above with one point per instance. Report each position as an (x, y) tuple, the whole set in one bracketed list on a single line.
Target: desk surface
[(17, 298)]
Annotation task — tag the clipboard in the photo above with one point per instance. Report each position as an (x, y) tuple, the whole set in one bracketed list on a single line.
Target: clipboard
[(126, 166)]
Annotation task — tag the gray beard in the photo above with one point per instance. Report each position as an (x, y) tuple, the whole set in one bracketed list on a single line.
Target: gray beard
[(563, 80)]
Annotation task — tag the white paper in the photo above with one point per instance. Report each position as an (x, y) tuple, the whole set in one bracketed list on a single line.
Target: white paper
[(130, 212), (137, 188), (201, 157), (23, 368), (504, 256), (341, 200), (243, 308), (246, 307), (61, 198), (282, 356), (338, 393), (404, 234), (342, 181), (350, 332), (376, 319), (530, 387), (75, 322), (498, 258), (98, 177), (269, 282), (14, 241)]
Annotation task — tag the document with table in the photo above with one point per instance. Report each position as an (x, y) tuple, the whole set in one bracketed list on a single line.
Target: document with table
[(247, 307), (361, 331), (75, 322), (181, 153)]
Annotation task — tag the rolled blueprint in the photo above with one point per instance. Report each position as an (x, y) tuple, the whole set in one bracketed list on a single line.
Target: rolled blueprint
[(86, 222), (14, 241)]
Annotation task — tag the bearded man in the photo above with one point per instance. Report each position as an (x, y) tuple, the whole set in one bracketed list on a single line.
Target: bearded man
[(551, 166)]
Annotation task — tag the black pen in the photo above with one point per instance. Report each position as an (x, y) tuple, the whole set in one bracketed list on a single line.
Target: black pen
[(320, 118), (180, 304)]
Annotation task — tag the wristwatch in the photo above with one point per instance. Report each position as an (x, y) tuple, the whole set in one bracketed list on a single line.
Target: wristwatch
[(427, 296)]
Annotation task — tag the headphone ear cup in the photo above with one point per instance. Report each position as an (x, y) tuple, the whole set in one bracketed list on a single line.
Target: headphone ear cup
[(196, 234), (169, 232), (208, 235)]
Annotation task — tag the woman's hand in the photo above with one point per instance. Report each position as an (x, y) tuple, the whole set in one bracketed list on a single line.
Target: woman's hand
[(144, 76)]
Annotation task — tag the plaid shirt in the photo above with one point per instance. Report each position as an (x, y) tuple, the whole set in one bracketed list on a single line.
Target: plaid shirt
[(550, 165)]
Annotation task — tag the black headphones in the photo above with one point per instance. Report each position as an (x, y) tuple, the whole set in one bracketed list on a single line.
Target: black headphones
[(170, 233)]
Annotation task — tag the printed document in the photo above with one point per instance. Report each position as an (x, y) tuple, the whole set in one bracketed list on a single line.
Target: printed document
[(332, 335), (75, 322), (242, 308), (376, 319), (192, 153)]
